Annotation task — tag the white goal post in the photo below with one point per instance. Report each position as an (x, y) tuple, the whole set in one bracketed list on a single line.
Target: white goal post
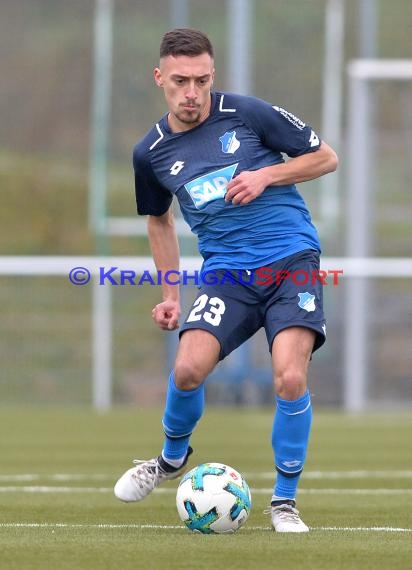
[(361, 74)]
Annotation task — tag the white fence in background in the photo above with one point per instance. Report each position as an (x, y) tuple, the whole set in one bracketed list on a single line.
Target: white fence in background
[(355, 397)]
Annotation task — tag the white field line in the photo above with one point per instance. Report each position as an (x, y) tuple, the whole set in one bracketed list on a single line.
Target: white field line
[(56, 477), (269, 475), (97, 490), (103, 526), (314, 475)]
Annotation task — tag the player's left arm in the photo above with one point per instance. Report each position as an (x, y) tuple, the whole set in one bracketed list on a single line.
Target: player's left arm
[(285, 134), (302, 168), (248, 185)]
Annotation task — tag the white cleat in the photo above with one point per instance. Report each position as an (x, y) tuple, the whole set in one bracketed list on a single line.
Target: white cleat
[(285, 518), (139, 481)]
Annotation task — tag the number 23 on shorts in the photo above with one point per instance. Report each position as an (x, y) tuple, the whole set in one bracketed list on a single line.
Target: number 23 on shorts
[(209, 309)]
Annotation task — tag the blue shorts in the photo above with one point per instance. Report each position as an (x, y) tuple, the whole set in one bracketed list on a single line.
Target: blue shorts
[(234, 304)]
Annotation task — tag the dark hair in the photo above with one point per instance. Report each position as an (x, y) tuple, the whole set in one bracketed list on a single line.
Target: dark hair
[(185, 41)]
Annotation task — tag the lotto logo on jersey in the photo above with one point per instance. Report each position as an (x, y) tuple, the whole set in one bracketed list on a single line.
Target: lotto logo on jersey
[(211, 186)]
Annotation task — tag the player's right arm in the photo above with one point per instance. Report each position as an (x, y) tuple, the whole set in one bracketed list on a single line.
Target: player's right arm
[(165, 251), (155, 201)]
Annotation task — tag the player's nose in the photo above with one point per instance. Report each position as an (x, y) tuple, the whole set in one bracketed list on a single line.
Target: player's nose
[(191, 92)]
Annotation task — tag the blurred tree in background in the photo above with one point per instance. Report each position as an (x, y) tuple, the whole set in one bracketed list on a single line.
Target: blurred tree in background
[(46, 71)]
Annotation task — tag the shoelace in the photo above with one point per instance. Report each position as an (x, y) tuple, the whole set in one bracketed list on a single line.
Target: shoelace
[(148, 472), (285, 513)]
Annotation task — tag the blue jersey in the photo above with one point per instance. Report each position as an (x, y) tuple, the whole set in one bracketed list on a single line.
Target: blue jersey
[(241, 133)]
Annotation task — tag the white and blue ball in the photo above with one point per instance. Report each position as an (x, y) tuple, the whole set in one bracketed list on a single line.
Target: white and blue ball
[(213, 498)]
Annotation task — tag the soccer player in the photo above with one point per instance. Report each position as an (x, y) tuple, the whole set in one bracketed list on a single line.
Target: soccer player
[(222, 156)]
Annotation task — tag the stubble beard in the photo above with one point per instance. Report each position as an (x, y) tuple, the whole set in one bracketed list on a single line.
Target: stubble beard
[(188, 117)]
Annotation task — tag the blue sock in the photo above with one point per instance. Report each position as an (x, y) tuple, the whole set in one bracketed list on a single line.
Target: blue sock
[(183, 410), (290, 437)]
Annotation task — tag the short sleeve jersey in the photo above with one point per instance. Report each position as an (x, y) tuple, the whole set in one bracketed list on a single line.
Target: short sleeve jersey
[(241, 133)]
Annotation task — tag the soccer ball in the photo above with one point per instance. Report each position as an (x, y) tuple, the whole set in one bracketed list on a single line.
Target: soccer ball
[(213, 498)]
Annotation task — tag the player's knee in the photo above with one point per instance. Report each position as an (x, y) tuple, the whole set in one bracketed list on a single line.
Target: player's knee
[(188, 375), (290, 384)]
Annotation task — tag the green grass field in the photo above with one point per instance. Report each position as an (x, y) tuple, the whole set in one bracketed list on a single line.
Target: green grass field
[(58, 509)]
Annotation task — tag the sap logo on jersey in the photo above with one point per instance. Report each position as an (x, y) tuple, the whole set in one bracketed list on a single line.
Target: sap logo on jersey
[(210, 186)]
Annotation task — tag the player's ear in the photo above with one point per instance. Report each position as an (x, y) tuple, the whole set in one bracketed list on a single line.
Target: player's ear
[(158, 77)]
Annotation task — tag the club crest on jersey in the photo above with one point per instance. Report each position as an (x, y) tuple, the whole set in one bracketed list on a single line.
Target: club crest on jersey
[(307, 302), (210, 186), (230, 144)]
